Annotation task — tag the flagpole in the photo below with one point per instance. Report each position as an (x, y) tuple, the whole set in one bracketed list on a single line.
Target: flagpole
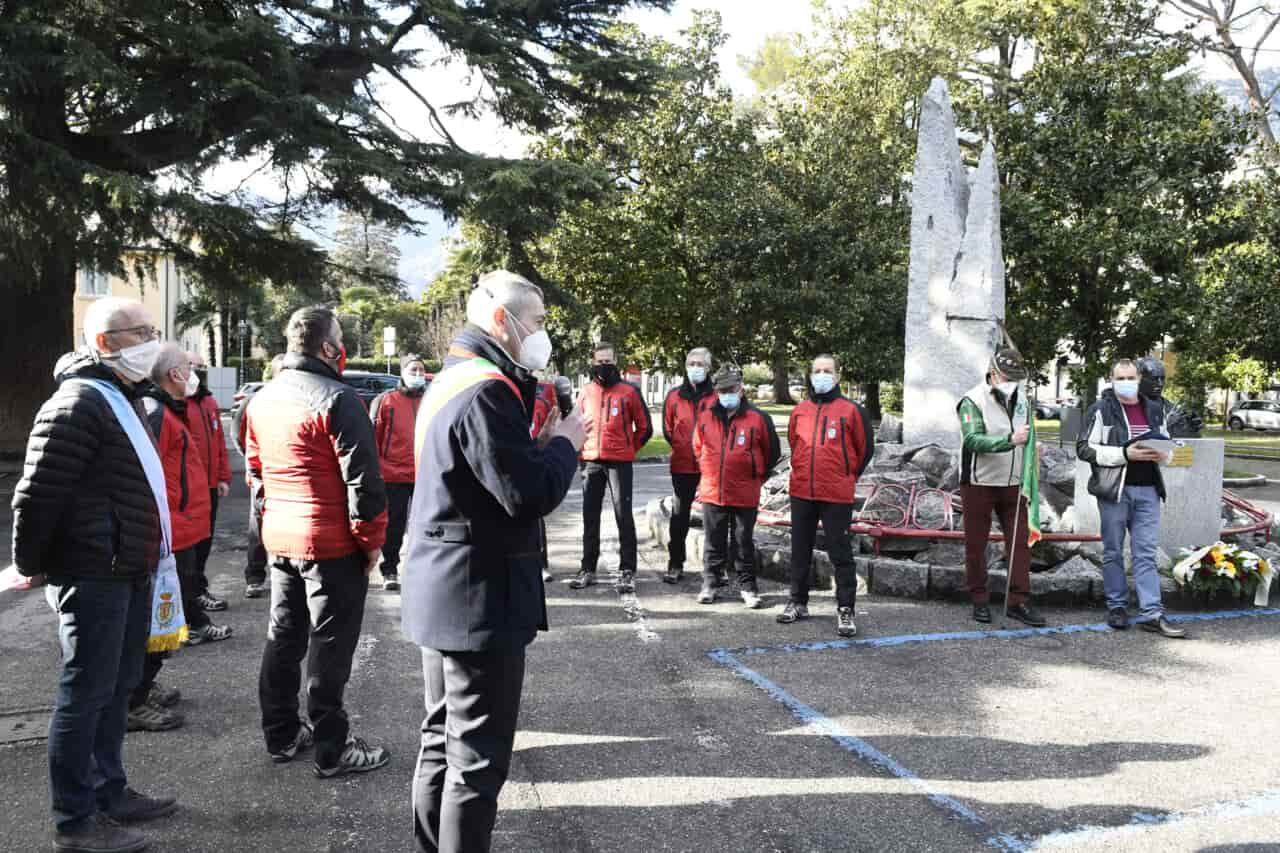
[(1017, 519)]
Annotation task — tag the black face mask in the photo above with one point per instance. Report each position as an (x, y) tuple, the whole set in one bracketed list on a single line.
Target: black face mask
[(606, 374)]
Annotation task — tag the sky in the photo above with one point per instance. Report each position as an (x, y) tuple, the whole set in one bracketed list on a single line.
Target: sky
[(746, 22)]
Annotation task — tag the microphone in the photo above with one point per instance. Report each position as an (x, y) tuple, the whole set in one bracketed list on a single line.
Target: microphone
[(564, 395)]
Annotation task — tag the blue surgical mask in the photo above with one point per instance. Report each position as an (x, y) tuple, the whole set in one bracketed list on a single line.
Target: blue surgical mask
[(730, 401), (697, 375), (1127, 388), (415, 382), (822, 382)]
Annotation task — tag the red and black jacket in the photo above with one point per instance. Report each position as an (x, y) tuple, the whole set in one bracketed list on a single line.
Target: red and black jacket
[(735, 454), (309, 444), (205, 423), (622, 422), (185, 480), (543, 402), (680, 412), (394, 413), (831, 445)]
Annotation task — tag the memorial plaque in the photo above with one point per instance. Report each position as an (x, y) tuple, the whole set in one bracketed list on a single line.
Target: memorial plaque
[(1183, 457)]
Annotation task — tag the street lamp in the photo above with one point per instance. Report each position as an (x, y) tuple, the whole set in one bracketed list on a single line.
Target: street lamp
[(243, 328)]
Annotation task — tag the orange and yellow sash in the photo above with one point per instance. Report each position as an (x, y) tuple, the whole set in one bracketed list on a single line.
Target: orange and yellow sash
[(449, 384)]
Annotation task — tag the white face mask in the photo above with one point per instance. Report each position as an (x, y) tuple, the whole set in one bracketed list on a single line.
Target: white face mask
[(697, 374), (535, 349), (822, 382), (193, 383), (1127, 388), (1007, 388), (134, 363), (414, 382)]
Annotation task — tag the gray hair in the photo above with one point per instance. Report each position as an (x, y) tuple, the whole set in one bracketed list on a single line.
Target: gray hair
[(700, 351), (167, 359), (103, 316), (499, 288), (1123, 362)]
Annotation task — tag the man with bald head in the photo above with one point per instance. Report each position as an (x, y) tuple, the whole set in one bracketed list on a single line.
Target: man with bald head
[(86, 515), (187, 490)]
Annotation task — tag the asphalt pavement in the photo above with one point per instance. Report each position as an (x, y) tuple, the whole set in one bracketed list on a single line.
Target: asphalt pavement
[(653, 723)]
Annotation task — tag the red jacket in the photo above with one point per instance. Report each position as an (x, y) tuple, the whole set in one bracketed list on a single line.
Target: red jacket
[(394, 413), (680, 413), (186, 484), (831, 445), (735, 455), (205, 423), (309, 444), (543, 403), (622, 422)]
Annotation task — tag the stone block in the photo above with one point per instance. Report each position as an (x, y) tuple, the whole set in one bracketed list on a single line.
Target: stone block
[(932, 461), (899, 578), (948, 583), (1070, 583)]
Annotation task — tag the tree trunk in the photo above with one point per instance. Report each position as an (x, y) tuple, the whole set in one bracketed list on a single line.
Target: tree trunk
[(35, 330), (781, 378), (220, 332), (871, 400)]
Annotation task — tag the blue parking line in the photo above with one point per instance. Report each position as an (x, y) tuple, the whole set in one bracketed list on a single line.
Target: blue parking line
[(866, 751), (1007, 634)]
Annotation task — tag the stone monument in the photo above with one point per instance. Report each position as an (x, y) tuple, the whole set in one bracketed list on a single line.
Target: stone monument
[(955, 291)]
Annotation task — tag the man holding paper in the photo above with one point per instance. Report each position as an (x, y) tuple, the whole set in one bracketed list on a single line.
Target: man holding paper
[(1124, 440)]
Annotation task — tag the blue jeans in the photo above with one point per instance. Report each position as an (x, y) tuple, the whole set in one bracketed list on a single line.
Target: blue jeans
[(1137, 513), (102, 627)]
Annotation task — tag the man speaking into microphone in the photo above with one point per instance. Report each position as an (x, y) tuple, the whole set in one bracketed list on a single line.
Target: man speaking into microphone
[(473, 595)]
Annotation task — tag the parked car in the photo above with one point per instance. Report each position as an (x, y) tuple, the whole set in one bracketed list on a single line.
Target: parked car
[(1047, 411), (369, 385), (248, 389), (1254, 414)]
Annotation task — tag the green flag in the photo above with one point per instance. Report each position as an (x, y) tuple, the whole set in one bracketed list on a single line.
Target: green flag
[(1030, 467)]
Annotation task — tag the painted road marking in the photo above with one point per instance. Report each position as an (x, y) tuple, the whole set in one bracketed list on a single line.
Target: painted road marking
[(1263, 804)]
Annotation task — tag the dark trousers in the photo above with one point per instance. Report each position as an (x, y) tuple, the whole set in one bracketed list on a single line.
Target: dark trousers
[(724, 527), (203, 548), (320, 601), (102, 629), (979, 503), (473, 702), (399, 498), (835, 519), (685, 488), (255, 567), (596, 476), (151, 664)]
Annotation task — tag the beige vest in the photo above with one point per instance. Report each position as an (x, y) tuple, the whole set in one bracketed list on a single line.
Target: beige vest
[(996, 469)]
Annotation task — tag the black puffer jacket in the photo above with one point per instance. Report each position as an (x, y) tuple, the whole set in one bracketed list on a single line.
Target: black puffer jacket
[(83, 508)]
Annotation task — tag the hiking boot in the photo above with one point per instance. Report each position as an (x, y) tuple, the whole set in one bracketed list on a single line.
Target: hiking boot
[(1027, 614), (981, 613), (357, 757), (1118, 618), (583, 580), (673, 574), (845, 626), (208, 634), (208, 601), (149, 717), (135, 808), (751, 598), (1162, 627), (707, 595), (303, 740), (793, 612), (722, 578), (391, 583), (165, 697), (254, 590), (98, 834), (627, 583)]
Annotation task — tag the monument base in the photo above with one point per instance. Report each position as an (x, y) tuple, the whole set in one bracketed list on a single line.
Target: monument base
[(1192, 514)]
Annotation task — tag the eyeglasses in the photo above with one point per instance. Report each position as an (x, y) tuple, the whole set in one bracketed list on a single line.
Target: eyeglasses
[(147, 333)]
